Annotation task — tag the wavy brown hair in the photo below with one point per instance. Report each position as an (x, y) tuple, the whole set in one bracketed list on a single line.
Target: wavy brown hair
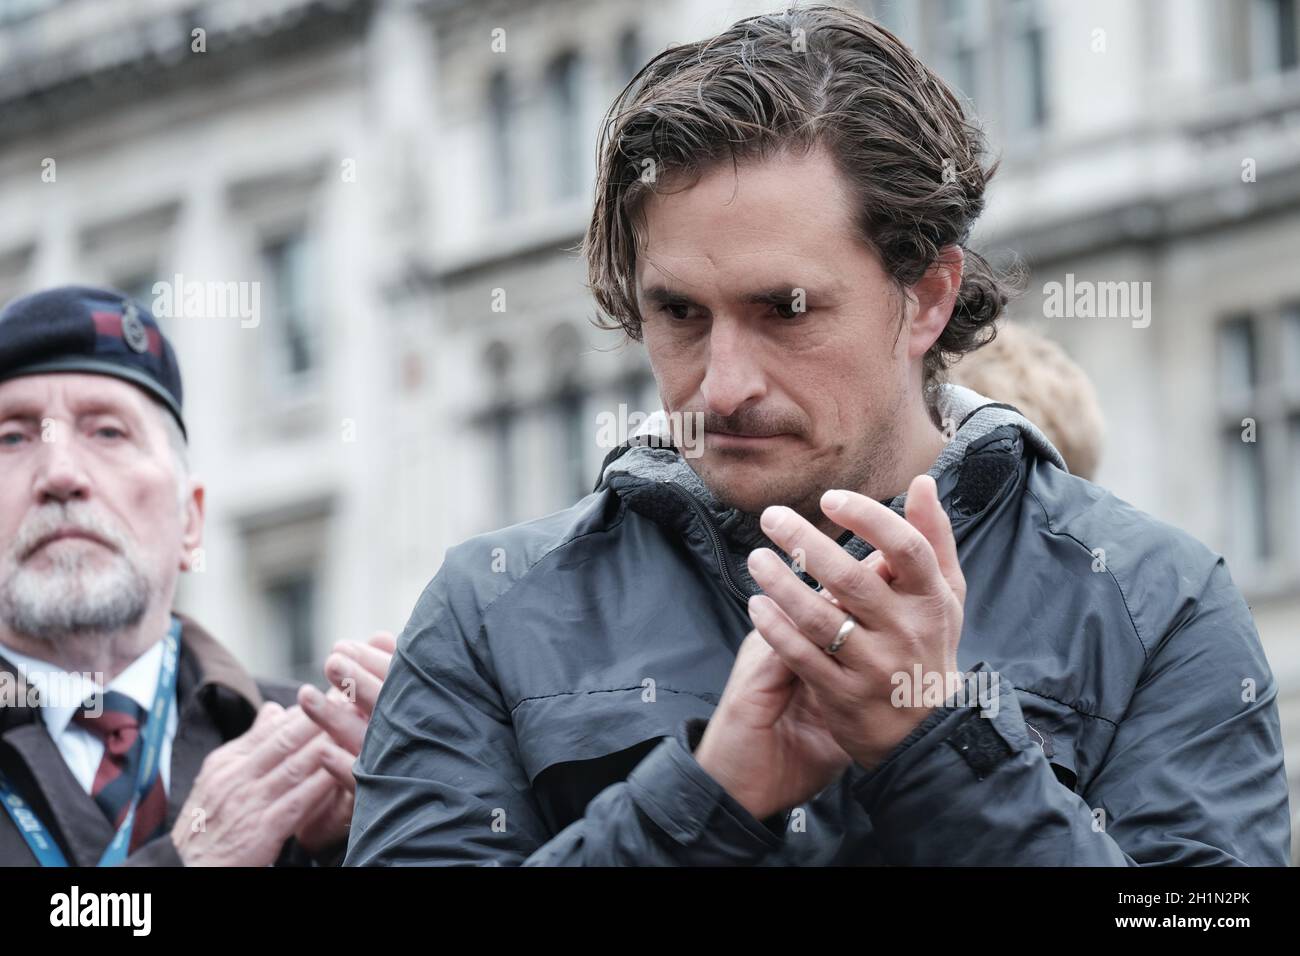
[(817, 76)]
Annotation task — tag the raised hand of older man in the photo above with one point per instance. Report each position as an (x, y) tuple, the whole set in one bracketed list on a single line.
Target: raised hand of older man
[(356, 672), (254, 792)]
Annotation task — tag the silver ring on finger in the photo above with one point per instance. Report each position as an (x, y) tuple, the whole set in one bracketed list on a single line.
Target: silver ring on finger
[(850, 622)]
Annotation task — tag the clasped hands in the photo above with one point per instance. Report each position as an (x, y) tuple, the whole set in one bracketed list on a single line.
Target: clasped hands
[(792, 717), (290, 774)]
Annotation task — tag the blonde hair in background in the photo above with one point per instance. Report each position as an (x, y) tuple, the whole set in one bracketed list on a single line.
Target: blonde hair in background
[(1033, 373)]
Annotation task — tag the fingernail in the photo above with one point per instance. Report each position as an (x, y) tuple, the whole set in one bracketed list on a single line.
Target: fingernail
[(311, 696), (834, 499), (773, 517)]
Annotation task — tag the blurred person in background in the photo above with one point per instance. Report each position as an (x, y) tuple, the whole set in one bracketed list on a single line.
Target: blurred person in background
[(128, 734), (743, 651), (1034, 374)]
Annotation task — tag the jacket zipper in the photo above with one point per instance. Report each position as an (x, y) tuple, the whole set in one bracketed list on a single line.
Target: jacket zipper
[(719, 552)]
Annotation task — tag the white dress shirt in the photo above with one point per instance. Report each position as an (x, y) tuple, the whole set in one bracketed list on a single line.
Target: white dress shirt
[(82, 750)]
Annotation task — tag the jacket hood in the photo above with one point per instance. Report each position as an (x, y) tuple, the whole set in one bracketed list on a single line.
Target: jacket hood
[(656, 479)]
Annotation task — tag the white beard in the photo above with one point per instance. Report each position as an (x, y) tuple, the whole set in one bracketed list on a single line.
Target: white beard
[(75, 592)]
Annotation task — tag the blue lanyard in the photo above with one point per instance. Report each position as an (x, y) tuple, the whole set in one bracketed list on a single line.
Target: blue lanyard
[(29, 824)]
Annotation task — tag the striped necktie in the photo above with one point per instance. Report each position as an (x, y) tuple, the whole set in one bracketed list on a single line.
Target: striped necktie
[(118, 726)]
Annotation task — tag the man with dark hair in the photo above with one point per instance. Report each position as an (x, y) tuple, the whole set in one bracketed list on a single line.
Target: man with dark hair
[(128, 734), (872, 618)]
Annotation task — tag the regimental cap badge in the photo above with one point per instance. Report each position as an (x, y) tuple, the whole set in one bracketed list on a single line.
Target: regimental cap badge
[(134, 333)]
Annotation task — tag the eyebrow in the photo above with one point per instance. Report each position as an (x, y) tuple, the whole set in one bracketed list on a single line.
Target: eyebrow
[(27, 410), (21, 409), (777, 294)]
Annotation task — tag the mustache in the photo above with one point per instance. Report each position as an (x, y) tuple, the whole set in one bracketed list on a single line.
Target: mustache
[(753, 423), (48, 520)]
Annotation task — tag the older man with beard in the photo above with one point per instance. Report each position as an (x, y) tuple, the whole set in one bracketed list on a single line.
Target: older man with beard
[(127, 733)]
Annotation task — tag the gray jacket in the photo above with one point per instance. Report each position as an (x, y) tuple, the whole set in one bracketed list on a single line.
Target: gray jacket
[(554, 677)]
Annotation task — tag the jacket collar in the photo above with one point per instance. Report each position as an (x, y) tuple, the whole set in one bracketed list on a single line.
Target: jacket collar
[(988, 443), (207, 671)]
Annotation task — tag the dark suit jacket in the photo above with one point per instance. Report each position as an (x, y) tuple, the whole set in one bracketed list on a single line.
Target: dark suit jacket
[(217, 701)]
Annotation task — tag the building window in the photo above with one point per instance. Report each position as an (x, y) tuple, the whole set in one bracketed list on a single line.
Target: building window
[(567, 412), (501, 144), (994, 52), (563, 86), (1246, 506), (1237, 359), (500, 422), (1290, 351), (1245, 501), (1290, 357), (1259, 402), (1026, 80), (286, 265), (291, 603), (1274, 33), (1293, 473), (961, 30), (578, 438), (630, 57)]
